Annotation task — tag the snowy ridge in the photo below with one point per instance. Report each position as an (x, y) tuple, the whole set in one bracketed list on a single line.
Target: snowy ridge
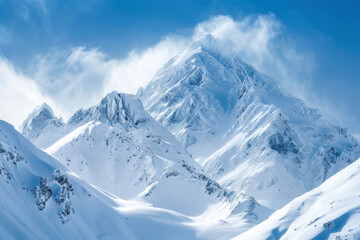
[(331, 211), (121, 110)]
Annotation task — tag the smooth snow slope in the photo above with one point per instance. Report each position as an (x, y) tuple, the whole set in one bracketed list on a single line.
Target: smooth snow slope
[(246, 132), (42, 199), (331, 211)]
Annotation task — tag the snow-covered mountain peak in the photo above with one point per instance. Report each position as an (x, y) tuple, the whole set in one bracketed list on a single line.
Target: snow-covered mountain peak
[(44, 108), (213, 46), (203, 86), (242, 127), (120, 108), (114, 109), (41, 119)]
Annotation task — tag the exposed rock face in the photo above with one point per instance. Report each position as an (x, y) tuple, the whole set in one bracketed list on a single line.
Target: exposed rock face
[(60, 189), (283, 143), (63, 196), (39, 118), (4, 172), (329, 225), (42, 193), (8, 155)]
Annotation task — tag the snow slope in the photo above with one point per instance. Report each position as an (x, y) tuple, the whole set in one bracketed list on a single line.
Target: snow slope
[(42, 199), (331, 211), (246, 132)]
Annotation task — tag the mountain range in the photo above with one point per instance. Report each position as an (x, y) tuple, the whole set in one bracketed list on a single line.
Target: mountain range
[(209, 149)]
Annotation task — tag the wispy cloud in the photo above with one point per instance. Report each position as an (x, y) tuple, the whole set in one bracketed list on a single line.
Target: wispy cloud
[(79, 77), (74, 77), (261, 41), (18, 94)]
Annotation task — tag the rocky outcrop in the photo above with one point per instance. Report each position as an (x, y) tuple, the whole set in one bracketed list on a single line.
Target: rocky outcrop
[(60, 190)]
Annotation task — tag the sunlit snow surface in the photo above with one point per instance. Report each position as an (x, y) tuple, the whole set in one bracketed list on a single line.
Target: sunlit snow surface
[(95, 214), (331, 211)]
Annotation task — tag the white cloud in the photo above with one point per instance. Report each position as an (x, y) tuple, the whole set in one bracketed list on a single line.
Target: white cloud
[(250, 36), (260, 41), (74, 78), (140, 67), (18, 94), (80, 77)]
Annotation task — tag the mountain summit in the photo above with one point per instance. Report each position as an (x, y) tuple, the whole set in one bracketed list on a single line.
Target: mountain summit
[(114, 109), (248, 133), (41, 119)]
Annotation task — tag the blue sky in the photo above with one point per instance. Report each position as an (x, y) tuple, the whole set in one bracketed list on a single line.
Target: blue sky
[(325, 33)]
